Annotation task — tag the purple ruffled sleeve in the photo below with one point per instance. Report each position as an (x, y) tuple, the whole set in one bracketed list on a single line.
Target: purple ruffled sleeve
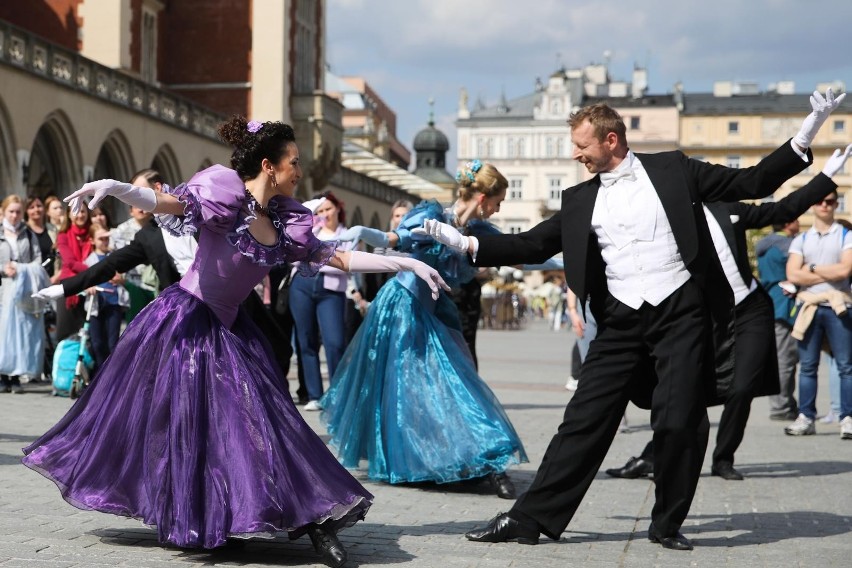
[(296, 243), (212, 198)]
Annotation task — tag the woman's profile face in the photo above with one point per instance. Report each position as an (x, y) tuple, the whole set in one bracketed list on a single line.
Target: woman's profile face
[(288, 171), (491, 205)]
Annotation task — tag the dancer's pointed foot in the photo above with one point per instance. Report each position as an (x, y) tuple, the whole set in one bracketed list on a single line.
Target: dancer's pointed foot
[(502, 485), (328, 546)]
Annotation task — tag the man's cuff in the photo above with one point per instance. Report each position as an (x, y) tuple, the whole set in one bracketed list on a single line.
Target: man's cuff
[(473, 248), (796, 149)]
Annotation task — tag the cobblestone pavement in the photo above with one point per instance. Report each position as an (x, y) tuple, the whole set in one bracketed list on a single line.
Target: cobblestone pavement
[(793, 509)]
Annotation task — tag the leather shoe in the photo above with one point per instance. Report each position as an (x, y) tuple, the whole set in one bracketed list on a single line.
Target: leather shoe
[(502, 485), (328, 546), (725, 470), (504, 528), (674, 542), (635, 467), (788, 416)]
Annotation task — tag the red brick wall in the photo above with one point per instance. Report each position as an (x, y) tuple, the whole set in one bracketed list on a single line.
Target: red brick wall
[(207, 41), (55, 20)]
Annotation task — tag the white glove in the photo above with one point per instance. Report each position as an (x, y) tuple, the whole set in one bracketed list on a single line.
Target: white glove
[(444, 234), (822, 107), (50, 293), (141, 197), (835, 163), (373, 237), (366, 262)]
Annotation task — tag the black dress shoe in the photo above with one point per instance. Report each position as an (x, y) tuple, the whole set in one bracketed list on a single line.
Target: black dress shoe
[(788, 416), (504, 528), (635, 467), (328, 546), (726, 470), (674, 542), (502, 485)]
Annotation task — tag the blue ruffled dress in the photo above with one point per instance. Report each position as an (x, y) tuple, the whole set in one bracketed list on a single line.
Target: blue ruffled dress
[(407, 397)]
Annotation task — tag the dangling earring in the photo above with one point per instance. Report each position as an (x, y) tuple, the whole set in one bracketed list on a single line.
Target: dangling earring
[(274, 181), (479, 210)]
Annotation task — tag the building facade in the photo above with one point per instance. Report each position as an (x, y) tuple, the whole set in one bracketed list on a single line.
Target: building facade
[(737, 125), (527, 138)]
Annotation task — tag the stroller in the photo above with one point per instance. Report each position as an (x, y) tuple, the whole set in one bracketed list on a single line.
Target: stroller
[(73, 362)]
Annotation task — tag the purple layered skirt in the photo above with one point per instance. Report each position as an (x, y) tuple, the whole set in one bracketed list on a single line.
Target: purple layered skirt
[(189, 427)]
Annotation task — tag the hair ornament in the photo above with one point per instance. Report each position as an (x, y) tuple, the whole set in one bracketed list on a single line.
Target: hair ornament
[(253, 126)]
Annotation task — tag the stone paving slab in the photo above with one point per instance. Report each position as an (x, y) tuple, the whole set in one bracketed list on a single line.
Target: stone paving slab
[(794, 508)]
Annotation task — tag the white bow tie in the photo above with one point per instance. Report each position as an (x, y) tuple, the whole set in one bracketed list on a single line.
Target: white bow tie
[(609, 178)]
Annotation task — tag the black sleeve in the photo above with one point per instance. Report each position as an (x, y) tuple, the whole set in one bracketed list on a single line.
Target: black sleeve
[(531, 247), (121, 260), (789, 208)]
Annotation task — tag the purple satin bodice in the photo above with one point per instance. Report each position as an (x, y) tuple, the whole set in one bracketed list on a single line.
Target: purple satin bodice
[(230, 261)]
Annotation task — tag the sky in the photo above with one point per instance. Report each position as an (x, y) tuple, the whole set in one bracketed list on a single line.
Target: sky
[(412, 50)]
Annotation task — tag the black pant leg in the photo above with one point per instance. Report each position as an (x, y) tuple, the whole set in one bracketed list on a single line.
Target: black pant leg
[(752, 345), (676, 336), (590, 422)]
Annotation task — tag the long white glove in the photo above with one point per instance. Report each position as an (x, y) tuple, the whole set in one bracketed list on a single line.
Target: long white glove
[(141, 197), (835, 163), (445, 234), (822, 107), (372, 237), (50, 293), (365, 262)]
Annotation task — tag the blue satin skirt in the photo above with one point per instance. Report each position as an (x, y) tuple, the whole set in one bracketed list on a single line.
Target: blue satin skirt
[(407, 398)]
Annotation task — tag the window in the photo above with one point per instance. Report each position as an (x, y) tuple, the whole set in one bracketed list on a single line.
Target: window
[(841, 202), (555, 107), (307, 29), (554, 185), (516, 189), (548, 147), (148, 63), (514, 229), (699, 158), (480, 146), (733, 161), (733, 127), (521, 147), (560, 147), (510, 147), (634, 123), (839, 126), (489, 147)]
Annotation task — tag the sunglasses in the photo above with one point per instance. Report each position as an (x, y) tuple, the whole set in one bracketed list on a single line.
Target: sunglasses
[(828, 202)]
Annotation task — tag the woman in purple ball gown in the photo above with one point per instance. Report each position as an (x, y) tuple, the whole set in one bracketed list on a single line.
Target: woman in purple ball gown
[(188, 425)]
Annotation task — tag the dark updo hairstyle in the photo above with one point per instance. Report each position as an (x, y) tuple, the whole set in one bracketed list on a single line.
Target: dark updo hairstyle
[(341, 212), (253, 141)]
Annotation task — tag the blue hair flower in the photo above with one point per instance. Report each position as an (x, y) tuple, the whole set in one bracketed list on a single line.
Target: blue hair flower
[(253, 126), (474, 166)]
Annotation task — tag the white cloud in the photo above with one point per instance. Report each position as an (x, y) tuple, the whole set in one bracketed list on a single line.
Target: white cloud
[(411, 50)]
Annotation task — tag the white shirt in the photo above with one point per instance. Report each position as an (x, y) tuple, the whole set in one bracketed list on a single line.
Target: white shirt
[(181, 249), (643, 263), (726, 256)]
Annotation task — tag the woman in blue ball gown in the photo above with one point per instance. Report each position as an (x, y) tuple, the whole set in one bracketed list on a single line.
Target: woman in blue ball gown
[(407, 397)]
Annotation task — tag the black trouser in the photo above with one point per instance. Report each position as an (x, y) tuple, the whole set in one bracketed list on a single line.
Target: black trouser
[(468, 300), (673, 334), (753, 342)]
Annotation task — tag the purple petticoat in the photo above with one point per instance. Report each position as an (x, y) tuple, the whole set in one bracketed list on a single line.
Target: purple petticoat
[(189, 427)]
